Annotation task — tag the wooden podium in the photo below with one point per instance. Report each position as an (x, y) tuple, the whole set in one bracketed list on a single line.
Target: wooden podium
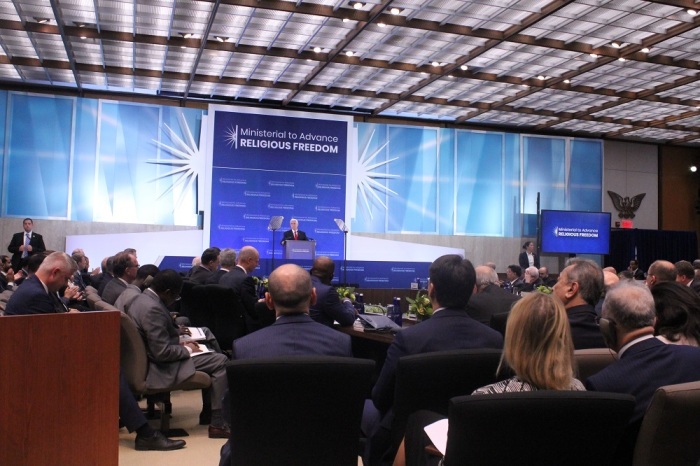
[(59, 379), (294, 249)]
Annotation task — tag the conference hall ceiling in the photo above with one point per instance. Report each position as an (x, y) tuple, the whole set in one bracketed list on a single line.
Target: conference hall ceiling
[(619, 69)]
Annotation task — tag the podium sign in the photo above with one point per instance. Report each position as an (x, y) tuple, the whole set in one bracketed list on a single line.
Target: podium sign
[(294, 249)]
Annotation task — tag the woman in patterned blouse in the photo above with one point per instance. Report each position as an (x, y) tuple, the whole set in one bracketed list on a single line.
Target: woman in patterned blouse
[(537, 347)]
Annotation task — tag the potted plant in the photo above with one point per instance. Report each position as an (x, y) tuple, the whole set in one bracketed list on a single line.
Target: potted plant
[(421, 307)]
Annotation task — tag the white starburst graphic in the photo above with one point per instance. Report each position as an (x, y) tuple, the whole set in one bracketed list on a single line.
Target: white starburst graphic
[(187, 162), (231, 135), (366, 174)]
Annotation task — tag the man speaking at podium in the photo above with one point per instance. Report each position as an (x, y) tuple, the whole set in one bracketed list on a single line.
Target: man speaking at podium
[(294, 233)]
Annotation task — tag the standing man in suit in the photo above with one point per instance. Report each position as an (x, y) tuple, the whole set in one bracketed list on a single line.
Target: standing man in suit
[(328, 306), (528, 258), (239, 279), (25, 244), (644, 363), (294, 233), (294, 333), (169, 362), (638, 274), (38, 293), (489, 298), (579, 287), (452, 282), (207, 266)]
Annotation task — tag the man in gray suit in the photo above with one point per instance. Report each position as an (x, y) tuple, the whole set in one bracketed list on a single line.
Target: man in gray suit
[(171, 362), (490, 298)]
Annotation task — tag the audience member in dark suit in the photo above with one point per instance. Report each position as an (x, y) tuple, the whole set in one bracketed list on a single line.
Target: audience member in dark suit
[(644, 363), (514, 278), (452, 281), (546, 279), (528, 258), (294, 233), (637, 273), (660, 271), (677, 314), (144, 277), (125, 268), (209, 263), (107, 274), (227, 261), (38, 293), (170, 362), (7, 274), (685, 274), (240, 280), (25, 244), (579, 287), (294, 333), (531, 280), (489, 298), (328, 307)]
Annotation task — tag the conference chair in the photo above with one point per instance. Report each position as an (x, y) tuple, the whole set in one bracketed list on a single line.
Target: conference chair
[(670, 430), (590, 361), (498, 322), (225, 316), (194, 303), (308, 408), (92, 299), (540, 428), (430, 380), (101, 305), (134, 363)]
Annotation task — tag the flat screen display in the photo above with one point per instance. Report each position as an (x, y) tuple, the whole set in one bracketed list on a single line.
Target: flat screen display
[(572, 232)]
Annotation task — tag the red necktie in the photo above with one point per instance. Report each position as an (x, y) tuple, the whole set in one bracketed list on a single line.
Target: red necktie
[(295, 235)]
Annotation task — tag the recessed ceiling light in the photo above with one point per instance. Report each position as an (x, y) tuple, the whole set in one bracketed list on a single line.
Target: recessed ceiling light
[(317, 49), (567, 81), (646, 50), (358, 5), (693, 168), (395, 11), (622, 59), (187, 35), (83, 36), (349, 53), (345, 20), (41, 20), (541, 77), (381, 25), (616, 45), (464, 67), (691, 12), (435, 63), (594, 55), (220, 39), (450, 76)]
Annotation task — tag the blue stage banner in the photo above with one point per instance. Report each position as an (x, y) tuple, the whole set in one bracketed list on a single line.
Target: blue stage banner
[(277, 164)]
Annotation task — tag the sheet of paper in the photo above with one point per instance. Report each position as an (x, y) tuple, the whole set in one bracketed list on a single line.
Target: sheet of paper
[(437, 433), (196, 334), (204, 350)]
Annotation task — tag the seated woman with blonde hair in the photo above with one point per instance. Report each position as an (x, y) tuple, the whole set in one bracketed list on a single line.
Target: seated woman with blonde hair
[(539, 350)]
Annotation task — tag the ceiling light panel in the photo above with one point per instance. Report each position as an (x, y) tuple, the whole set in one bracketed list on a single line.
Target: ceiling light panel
[(658, 133), (50, 46), (642, 111), (510, 118), (150, 57), (180, 60), (684, 46), (18, 44), (144, 82), (62, 76), (562, 101), (88, 52), (117, 53), (590, 127), (632, 76), (689, 91), (691, 122), (153, 18)]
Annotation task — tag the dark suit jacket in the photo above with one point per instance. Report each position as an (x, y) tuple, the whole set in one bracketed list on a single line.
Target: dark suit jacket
[(112, 290), (491, 300), (200, 275), (695, 285), (328, 306), (104, 280), (524, 263), (446, 330), (584, 327), (240, 281), (639, 274), (216, 276), (36, 241), (292, 335), (644, 367), (288, 235), (32, 298)]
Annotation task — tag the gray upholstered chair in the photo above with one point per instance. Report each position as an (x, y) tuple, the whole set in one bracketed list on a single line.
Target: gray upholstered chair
[(592, 360), (134, 363), (543, 428), (670, 430)]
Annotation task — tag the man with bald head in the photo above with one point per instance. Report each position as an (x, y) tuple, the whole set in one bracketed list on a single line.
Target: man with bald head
[(489, 298), (328, 307), (660, 271)]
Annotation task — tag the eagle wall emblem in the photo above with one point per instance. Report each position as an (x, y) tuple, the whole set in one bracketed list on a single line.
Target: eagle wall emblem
[(625, 206)]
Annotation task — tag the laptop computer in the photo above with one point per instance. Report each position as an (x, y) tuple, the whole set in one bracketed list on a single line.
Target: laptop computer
[(378, 323)]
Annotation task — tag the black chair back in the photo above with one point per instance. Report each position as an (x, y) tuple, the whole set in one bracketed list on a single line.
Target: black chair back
[(430, 380), (537, 428), (297, 410), (226, 314)]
